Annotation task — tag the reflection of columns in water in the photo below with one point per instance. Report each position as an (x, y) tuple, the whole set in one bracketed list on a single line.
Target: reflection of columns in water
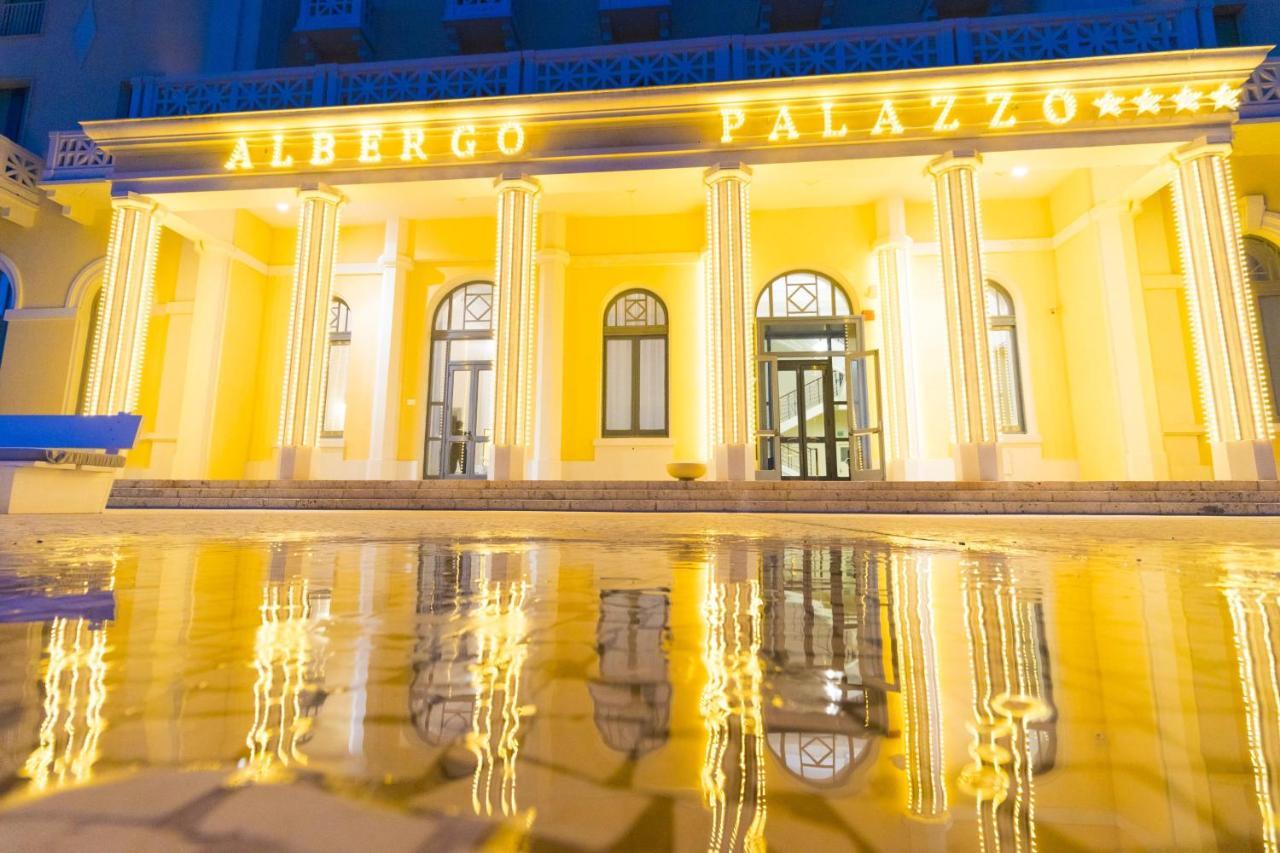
[(1254, 613), (733, 781), (289, 653), (823, 644), (467, 676), (632, 697), (1014, 730), (74, 688), (909, 578)]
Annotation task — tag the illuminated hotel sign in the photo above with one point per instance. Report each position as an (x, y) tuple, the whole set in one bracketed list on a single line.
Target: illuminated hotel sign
[(749, 124)]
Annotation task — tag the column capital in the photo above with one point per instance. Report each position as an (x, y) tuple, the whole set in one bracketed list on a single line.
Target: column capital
[(959, 159), (727, 172), (552, 255), (129, 200), (320, 192), (401, 263), (1217, 144), (517, 183)]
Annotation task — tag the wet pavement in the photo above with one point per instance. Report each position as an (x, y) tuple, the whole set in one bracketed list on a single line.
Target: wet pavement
[(382, 681)]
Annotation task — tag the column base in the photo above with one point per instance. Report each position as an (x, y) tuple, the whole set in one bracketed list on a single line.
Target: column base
[(1243, 460), (296, 463), (508, 463), (731, 462), (976, 462)]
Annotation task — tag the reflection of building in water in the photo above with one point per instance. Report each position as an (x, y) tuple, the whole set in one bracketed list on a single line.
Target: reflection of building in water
[(74, 691), (917, 664), (822, 641), (468, 665), (289, 657), (1014, 728), (733, 780), (632, 696), (1255, 617)]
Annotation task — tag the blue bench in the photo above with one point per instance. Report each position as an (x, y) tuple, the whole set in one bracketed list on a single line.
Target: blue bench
[(62, 463)]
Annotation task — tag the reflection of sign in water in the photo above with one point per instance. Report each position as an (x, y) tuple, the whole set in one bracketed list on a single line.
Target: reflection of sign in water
[(468, 667), (632, 697), (1014, 727), (288, 656)]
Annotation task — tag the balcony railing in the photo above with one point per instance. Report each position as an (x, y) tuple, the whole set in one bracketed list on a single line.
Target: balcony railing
[(939, 43), (21, 19), (332, 15), (1262, 93), (466, 10), (72, 155), (19, 175)]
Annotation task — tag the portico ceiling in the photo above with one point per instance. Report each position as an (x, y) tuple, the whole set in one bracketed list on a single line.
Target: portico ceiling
[(1005, 174)]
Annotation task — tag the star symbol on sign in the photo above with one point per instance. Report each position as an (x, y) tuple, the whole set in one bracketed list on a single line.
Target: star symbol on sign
[(1187, 100), (1225, 98), (1109, 104), (1148, 102)]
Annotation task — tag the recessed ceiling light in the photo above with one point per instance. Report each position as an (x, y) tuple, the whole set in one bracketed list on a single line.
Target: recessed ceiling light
[(282, 206), (1020, 171)]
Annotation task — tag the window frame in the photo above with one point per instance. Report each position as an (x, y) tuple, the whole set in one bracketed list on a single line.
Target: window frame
[(1264, 251), (1007, 323), (337, 337), (636, 334)]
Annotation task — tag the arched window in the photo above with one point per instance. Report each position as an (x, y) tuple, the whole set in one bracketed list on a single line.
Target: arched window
[(1264, 271), (1002, 337), (635, 365), (802, 294), (8, 297), (335, 382)]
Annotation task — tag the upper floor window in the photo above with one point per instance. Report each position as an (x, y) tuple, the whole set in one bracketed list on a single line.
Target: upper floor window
[(1002, 337), (13, 108), (635, 365), (1264, 271), (335, 383), (21, 17)]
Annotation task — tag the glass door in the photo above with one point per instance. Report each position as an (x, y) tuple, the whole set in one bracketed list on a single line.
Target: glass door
[(806, 420), (469, 420)]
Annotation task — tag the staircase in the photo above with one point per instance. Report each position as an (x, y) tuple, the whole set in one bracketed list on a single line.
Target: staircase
[(1083, 498)]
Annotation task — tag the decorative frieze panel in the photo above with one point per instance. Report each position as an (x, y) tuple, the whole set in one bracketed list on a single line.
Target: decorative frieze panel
[(661, 64), (1262, 92), (847, 51), (388, 83), (1037, 37), (73, 154)]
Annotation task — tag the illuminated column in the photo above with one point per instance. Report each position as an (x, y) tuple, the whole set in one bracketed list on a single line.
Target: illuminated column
[(893, 274), (384, 431), (959, 225), (1224, 323), (307, 350), (552, 262), (128, 282), (730, 326), (516, 367)]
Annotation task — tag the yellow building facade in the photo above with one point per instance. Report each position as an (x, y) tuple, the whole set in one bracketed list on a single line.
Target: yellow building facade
[(1031, 271)]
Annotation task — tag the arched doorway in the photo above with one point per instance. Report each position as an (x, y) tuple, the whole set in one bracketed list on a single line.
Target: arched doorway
[(818, 399), (460, 405)]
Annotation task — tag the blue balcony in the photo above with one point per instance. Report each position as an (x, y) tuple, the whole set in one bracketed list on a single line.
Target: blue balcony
[(479, 26), (634, 20), (785, 16), (1137, 29), (332, 31)]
